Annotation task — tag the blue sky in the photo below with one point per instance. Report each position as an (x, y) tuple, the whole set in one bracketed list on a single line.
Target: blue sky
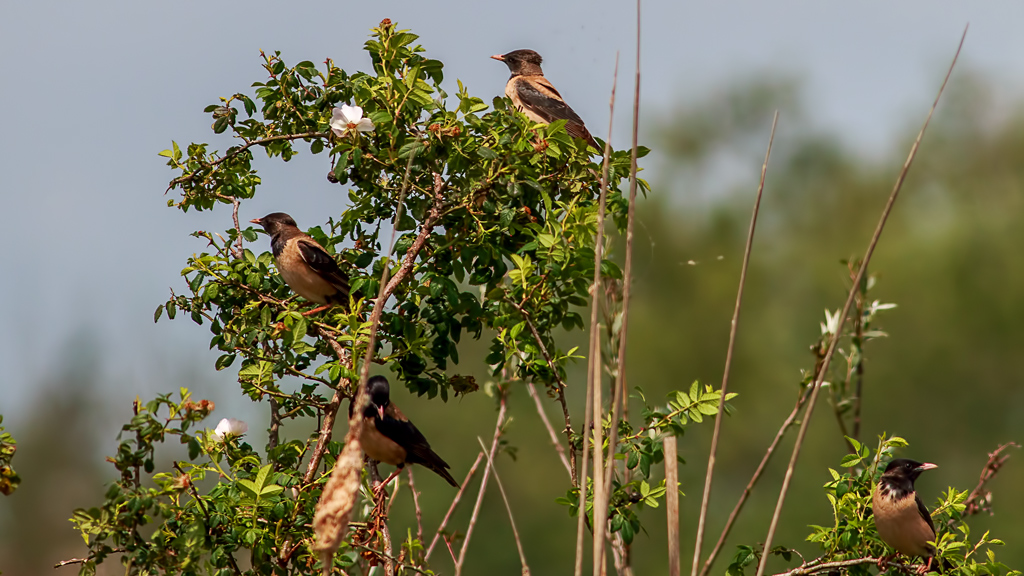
[(92, 91)]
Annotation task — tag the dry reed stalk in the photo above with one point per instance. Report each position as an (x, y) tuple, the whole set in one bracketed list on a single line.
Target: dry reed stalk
[(734, 328), (846, 310)]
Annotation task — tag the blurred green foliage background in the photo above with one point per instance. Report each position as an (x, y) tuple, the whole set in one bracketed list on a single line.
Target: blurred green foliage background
[(947, 378)]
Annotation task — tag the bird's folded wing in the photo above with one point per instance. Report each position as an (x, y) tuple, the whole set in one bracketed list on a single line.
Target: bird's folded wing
[(405, 434), (924, 513), (542, 98), (323, 263)]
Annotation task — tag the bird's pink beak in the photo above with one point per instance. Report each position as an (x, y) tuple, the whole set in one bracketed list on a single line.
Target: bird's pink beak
[(380, 411), (926, 466), (498, 57), (255, 221)]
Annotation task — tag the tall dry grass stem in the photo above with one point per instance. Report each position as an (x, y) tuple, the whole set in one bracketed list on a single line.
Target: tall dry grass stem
[(593, 365), (733, 329), (454, 504), (846, 310), (594, 374), (617, 397), (672, 503)]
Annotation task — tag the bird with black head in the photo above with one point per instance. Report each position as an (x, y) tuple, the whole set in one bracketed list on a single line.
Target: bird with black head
[(534, 95), (305, 265), (389, 437), (901, 518)]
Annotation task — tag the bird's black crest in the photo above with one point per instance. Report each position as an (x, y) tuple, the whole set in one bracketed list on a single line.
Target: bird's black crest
[(276, 219), (379, 390), (898, 478), (524, 55)]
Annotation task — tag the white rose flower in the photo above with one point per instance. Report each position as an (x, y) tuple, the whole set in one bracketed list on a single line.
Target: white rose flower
[(230, 427), (349, 119)]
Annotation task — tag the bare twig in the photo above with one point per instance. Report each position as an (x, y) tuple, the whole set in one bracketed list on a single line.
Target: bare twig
[(237, 251), (416, 505), (594, 374), (508, 507), (547, 424), (483, 486), (455, 502), (733, 329), (672, 502), (980, 498), (561, 396), (753, 480), (71, 561), (275, 425), (815, 567), (846, 310)]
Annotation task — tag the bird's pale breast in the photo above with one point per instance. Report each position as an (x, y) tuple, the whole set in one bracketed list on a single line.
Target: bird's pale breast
[(512, 93), (380, 447), (300, 278), (900, 524)]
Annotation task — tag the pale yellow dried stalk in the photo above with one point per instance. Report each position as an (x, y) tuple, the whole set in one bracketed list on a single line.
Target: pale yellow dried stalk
[(330, 522)]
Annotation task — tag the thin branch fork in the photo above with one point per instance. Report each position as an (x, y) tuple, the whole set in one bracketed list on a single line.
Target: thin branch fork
[(508, 507), (734, 328), (846, 310), (455, 502), (483, 485), (978, 500)]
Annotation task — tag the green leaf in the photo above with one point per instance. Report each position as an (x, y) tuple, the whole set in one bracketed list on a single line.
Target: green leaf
[(850, 460), (410, 148)]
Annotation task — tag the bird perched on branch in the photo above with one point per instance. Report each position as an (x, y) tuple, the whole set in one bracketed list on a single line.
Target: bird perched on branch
[(902, 519), (306, 267), (389, 437), (534, 95)]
